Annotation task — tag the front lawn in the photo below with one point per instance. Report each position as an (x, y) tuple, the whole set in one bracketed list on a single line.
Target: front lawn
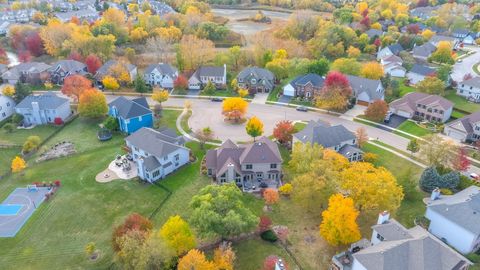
[(461, 103), (413, 128), (251, 254), (169, 118)]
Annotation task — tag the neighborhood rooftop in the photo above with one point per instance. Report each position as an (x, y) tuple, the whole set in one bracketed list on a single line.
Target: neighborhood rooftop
[(130, 108), (323, 134), (45, 101), (152, 141)]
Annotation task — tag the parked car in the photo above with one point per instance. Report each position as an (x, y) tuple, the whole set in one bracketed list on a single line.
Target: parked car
[(216, 99), (302, 109), (387, 117)]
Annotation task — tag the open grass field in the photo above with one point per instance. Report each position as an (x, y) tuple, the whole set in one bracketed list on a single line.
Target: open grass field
[(404, 89), (6, 156), (412, 128), (18, 136), (461, 103), (169, 118)]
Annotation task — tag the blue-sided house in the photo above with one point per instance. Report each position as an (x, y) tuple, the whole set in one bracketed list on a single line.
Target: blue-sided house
[(131, 114)]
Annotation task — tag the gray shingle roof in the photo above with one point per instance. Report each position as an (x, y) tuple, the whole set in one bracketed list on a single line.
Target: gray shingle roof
[(466, 122), (374, 32), (210, 71), (69, 65), (424, 50), (28, 67), (47, 101), (151, 163), (438, 38), (422, 70), (327, 136), (348, 150), (360, 85), (315, 79), (152, 142), (130, 108), (261, 151), (462, 208), (165, 69), (474, 82), (395, 48), (410, 101), (258, 73)]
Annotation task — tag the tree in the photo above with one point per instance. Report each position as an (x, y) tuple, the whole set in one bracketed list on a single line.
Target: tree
[(8, 127), (254, 127), (177, 234), (111, 123), (339, 222), (270, 196), (270, 263), (219, 210), (372, 70), (243, 92), (377, 191), (353, 52), (224, 257), (337, 79), (140, 85), (92, 104), (431, 85), (320, 66), (134, 222), (283, 131), (460, 161), (409, 183), (31, 144), (286, 189), (18, 164), (427, 34), (21, 92), (75, 85), (8, 90), (93, 63), (413, 146), (160, 95), (264, 224), (180, 84), (335, 92), (138, 35), (370, 157), (195, 260), (362, 136), (209, 88), (110, 83), (204, 135), (431, 179), (234, 108), (436, 151), (376, 111), (443, 54), (195, 51)]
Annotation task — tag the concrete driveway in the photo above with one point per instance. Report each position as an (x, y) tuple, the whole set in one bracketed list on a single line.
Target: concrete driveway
[(465, 67)]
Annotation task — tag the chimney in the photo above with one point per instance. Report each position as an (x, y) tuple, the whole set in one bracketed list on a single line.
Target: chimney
[(435, 194), (35, 106), (383, 217)]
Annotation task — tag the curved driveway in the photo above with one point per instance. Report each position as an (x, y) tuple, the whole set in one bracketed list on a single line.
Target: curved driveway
[(466, 66)]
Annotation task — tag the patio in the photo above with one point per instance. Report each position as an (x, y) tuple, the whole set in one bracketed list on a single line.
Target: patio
[(121, 168)]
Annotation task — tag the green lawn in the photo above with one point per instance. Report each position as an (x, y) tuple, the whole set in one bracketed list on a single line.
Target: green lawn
[(461, 103), (299, 126), (413, 128), (6, 156), (221, 93), (457, 114), (404, 89), (250, 252), (18, 136), (169, 118)]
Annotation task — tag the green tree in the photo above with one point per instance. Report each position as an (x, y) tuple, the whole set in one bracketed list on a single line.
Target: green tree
[(32, 143), (413, 146), (9, 127), (21, 91), (209, 88), (320, 66), (140, 85), (219, 210), (432, 85), (111, 123)]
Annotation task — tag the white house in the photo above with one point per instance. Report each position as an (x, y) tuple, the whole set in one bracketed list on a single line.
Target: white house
[(7, 107), (470, 89), (465, 129), (392, 65), (157, 153), (418, 73), (205, 74), (456, 218), (163, 75), (365, 90), (43, 109), (393, 49)]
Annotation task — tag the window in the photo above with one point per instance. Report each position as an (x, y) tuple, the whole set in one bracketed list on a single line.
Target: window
[(249, 166), (155, 174), (273, 166), (177, 157), (440, 112), (3, 114), (140, 118), (8, 104), (435, 110), (379, 237)]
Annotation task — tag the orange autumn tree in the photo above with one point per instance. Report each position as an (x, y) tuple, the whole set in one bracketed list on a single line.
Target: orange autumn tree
[(18, 164), (339, 222), (75, 85), (195, 260), (270, 196), (376, 111), (92, 104), (234, 108), (224, 257)]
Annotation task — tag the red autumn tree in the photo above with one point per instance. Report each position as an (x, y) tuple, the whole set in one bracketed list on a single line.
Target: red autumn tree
[(93, 63), (75, 56), (181, 83), (75, 85), (377, 42), (134, 222), (34, 44), (413, 29), (264, 224), (270, 261), (337, 79), (283, 131), (376, 111), (365, 22), (24, 56), (461, 162)]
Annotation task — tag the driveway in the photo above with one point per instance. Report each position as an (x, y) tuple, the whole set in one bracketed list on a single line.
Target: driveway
[(465, 67), (285, 99), (395, 121), (260, 98)]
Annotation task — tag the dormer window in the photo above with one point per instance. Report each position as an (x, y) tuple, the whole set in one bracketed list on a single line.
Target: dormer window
[(253, 81)]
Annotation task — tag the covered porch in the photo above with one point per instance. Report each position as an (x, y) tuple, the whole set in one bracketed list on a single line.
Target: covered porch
[(254, 181)]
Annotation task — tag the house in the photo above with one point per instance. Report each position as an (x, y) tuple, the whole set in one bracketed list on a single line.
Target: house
[(7, 107), (156, 153), (257, 164), (424, 13), (435, 40), (420, 26), (424, 51), (393, 49), (131, 114), (394, 247), (89, 14), (163, 75), (336, 137), (4, 26), (418, 73), (160, 8), (455, 218), (365, 90), (393, 65), (64, 68), (105, 70), (256, 80), (465, 129), (470, 89), (417, 105), (374, 33), (20, 16), (44, 109), (305, 86), (29, 72), (205, 74)]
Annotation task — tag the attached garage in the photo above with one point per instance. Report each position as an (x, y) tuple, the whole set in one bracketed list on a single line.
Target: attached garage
[(457, 135), (288, 90), (403, 113)]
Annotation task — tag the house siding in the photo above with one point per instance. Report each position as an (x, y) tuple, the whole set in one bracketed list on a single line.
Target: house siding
[(469, 92), (7, 107)]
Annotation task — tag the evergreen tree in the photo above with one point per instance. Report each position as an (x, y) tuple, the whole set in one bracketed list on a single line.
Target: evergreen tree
[(21, 91), (429, 179), (140, 85), (450, 180)]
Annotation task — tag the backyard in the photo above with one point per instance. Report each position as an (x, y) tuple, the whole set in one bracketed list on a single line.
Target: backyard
[(461, 103)]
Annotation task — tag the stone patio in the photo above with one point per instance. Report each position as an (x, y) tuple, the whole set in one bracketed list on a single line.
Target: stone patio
[(117, 171)]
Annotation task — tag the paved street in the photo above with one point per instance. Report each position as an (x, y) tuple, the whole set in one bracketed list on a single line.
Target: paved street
[(465, 67)]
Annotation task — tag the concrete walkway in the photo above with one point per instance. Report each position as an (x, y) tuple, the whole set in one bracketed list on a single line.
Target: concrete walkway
[(398, 154), (185, 134)]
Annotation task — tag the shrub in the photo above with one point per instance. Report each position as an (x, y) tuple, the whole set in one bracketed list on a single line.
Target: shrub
[(58, 121), (111, 123), (32, 143), (17, 118), (286, 189), (57, 183), (264, 224), (446, 191), (8, 127), (269, 236)]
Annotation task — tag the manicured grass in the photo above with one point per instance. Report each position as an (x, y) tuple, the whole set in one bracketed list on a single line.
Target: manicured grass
[(6, 156), (18, 136), (404, 89), (461, 103), (457, 115), (221, 93), (251, 254), (475, 68), (413, 128), (184, 122), (299, 126), (273, 95), (169, 118)]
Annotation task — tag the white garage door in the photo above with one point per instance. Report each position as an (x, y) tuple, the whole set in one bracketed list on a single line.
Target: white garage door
[(456, 135), (288, 90), (403, 114)]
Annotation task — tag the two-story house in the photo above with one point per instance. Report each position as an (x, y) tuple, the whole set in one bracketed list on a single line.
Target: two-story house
[(394, 247), (256, 80), (64, 68), (205, 74), (432, 108), (393, 49), (337, 138), (253, 165), (455, 218), (132, 115), (156, 153), (306, 86), (29, 72), (418, 73), (106, 69), (163, 75), (7, 107), (465, 129), (470, 89), (44, 109), (393, 65), (366, 91)]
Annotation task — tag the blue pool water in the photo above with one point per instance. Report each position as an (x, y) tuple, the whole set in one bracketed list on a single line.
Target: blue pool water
[(9, 209)]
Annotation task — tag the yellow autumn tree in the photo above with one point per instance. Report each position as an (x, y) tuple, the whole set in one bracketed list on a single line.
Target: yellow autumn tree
[(427, 34), (372, 70), (195, 260), (138, 34), (339, 222), (254, 127), (224, 257), (286, 189), (377, 191), (234, 108), (8, 90), (177, 234), (242, 92), (353, 52), (18, 164), (110, 83), (160, 95)]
